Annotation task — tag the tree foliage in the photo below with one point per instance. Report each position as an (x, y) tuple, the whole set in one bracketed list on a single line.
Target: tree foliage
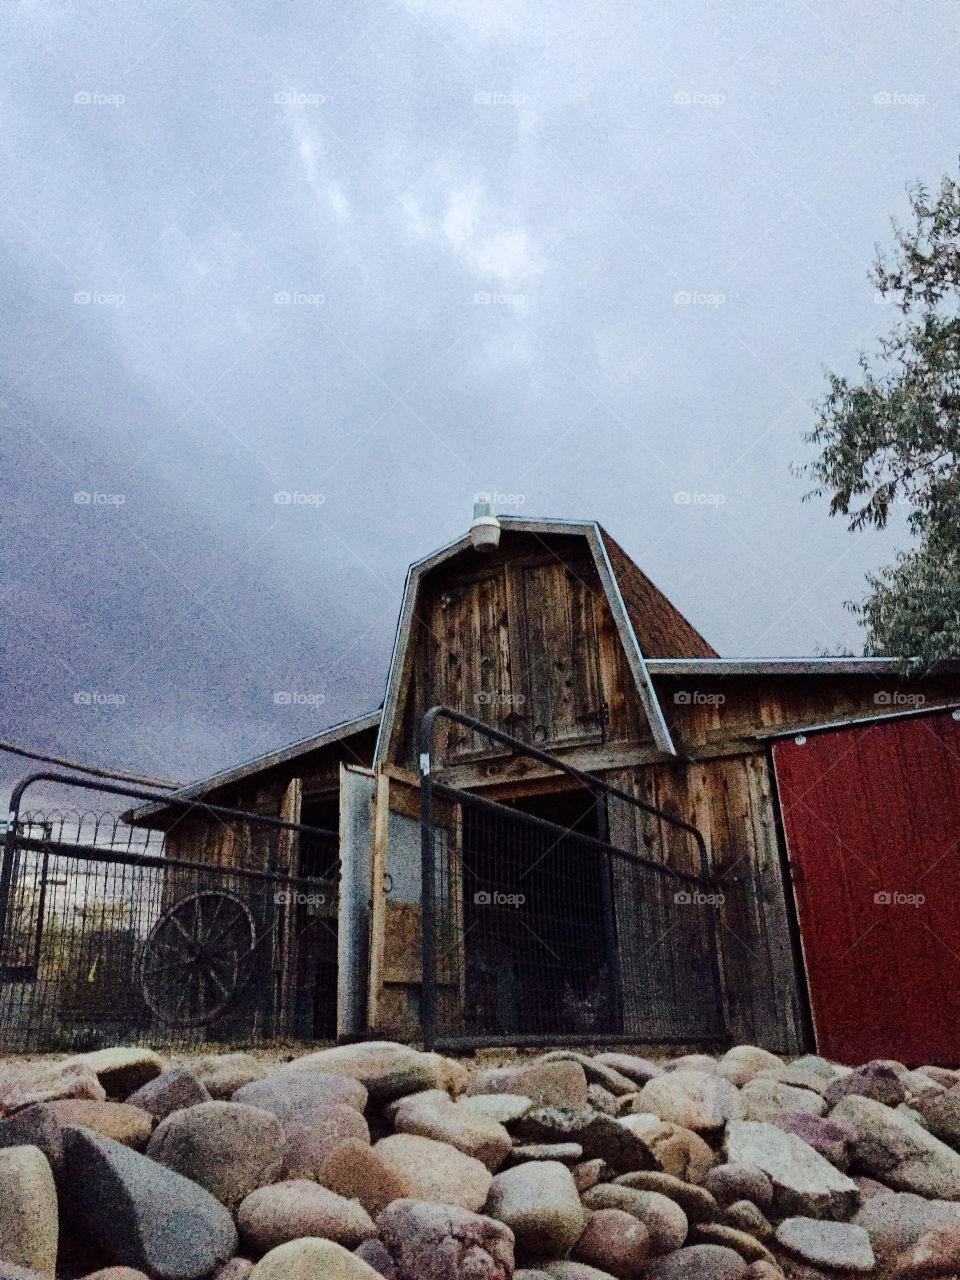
[(892, 436)]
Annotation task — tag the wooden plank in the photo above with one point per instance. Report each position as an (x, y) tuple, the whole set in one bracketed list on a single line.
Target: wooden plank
[(357, 791), (378, 900)]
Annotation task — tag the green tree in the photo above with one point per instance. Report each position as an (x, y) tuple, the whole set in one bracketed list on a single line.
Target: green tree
[(892, 436)]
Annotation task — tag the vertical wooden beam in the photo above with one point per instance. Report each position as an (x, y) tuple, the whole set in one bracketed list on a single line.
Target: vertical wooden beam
[(285, 935)]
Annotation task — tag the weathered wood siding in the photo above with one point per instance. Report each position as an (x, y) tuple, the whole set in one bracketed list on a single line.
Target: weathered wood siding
[(527, 644)]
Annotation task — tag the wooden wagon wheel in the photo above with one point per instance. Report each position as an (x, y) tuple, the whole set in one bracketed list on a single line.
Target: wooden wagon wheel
[(196, 958)]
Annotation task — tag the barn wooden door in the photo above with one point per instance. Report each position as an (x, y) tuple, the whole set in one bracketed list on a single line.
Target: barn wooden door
[(872, 819)]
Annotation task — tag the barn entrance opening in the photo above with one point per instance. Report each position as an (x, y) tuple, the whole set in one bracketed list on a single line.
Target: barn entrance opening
[(318, 920), (537, 923)]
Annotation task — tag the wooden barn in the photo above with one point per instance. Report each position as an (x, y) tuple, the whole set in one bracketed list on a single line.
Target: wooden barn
[(613, 833)]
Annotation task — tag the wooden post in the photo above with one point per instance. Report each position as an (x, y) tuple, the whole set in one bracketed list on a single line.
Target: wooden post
[(285, 937)]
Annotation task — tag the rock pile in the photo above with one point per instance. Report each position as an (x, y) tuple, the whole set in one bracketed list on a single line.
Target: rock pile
[(376, 1160)]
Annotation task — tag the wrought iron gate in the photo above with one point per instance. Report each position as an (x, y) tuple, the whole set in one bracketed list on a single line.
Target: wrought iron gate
[(181, 927), (538, 929)]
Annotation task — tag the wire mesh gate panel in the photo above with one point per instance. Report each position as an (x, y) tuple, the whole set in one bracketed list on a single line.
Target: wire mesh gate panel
[(115, 932), (537, 929)]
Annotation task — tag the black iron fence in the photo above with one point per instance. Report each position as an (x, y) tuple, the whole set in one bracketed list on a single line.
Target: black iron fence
[(186, 925), (537, 928)]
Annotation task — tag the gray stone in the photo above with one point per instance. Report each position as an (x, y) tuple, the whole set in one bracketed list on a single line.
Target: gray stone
[(728, 1183), (117, 1120), (376, 1255), (834, 1141), (697, 1203), (600, 1136), (35, 1126), (766, 1099), (309, 1145), (890, 1146), (431, 1170), (296, 1097), (565, 1152), (808, 1072), (538, 1201), (568, 1271), (505, 1108), (664, 1219), (699, 1262), (881, 1081), (839, 1246), (691, 1062), (141, 1214), (740, 1064), (312, 1259), (803, 1182), (298, 1207), (639, 1070), (937, 1253), (548, 1084), (745, 1216), (675, 1150), (697, 1100), (434, 1115), (743, 1242), (120, 1070), (171, 1091), (222, 1074), (28, 1210), (896, 1220), (387, 1070), (597, 1072), (940, 1112), (45, 1084), (225, 1147), (442, 1242)]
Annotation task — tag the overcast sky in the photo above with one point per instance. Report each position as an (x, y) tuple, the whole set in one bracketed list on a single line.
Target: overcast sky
[(378, 256)]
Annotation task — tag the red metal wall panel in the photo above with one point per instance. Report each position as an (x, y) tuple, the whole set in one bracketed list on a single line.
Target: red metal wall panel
[(872, 819)]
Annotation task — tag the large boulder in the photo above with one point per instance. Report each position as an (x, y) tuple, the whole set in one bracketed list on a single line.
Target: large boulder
[(766, 1099), (222, 1074), (881, 1081), (664, 1219), (673, 1149), (890, 1146), (803, 1182), (834, 1141), (434, 1114), (548, 1084), (142, 1214), (699, 1262), (896, 1220), (312, 1259), (740, 1064), (295, 1097), (940, 1110), (387, 1070), (697, 1100), (442, 1242), (308, 1146), (46, 1084), (288, 1210), (120, 1070), (936, 1253), (614, 1241), (171, 1091), (837, 1246), (358, 1172), (117, 1120), (35, 1126), (435, 1171), (225, 1147), (28, 1210), (539, 1203)]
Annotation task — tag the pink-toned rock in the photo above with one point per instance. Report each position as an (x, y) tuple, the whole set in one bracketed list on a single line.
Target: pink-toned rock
[(442, 1242), (878, 1080), (309, 1145), (897, 1220), (295, 1096), (171, 1091), (549, 1084), (222, 1074), (589, 1173), (665, 1221), (116, 1120), (50, 1083), (937, 1253), (359, 1172), (388, 1070), (375, 1254), (435, 1171), (742, 1063), (833, 1140), (227, 1148), (288, 1210), (235, 1269), (434, 1115), (697, 1100), (615, 1242)]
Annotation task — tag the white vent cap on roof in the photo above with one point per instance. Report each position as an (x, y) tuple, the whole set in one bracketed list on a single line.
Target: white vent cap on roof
[(485, 529)]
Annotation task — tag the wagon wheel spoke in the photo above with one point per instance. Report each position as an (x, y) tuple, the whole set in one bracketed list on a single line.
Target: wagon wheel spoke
[(230, 924), (212, 973)]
